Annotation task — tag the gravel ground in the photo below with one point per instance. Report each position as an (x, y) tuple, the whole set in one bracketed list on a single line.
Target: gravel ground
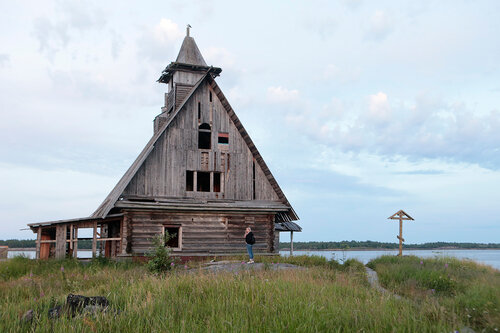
[(238, 266)]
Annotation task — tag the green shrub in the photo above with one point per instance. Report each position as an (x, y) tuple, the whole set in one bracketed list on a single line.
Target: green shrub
[(160, 259)]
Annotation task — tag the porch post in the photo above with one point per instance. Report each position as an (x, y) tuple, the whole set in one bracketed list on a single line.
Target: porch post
[(38, 238), (94, 240)]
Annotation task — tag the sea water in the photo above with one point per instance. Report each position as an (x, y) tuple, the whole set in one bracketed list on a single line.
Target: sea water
[(488, 257)]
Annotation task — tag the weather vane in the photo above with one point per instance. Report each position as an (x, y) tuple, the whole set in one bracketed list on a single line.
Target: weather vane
[(187, 29)]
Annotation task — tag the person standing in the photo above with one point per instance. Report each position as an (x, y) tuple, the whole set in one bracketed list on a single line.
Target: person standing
[(250, 240)]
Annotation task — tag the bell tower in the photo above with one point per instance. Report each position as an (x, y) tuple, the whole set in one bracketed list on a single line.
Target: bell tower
[(181, 76)]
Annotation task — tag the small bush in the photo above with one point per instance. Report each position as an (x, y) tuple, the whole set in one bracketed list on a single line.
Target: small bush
[(160, 259), (353, 265)]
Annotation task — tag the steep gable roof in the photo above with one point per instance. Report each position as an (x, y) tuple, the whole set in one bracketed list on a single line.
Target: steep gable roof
[(117, 191)]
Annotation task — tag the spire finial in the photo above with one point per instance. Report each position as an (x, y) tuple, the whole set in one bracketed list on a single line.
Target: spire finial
[(187, 29)]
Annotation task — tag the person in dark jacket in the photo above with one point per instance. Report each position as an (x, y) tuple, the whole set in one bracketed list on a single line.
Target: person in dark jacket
[(250, 240)]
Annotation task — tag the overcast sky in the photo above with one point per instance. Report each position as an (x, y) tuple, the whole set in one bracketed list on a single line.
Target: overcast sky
[(360, 108)]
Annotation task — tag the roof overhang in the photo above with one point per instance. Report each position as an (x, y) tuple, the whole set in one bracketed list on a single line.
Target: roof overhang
[(173, 67), (287, 226), (76, 220), (206, 205)]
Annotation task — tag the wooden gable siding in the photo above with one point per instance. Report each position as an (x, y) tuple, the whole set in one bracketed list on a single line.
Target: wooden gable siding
[(202, 233), (163, 173)]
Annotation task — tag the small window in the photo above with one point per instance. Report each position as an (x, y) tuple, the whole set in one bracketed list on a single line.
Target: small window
[(223, 138), (199, 111), (174, 240), (204, 134), (203, 181), (210, 95), (189, 180), (216, 182)]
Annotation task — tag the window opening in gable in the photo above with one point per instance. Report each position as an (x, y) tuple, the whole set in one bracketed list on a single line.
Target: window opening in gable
[(189, 180), (210, 95), (204, 134), (203, 181), (223, 138), (216, 181), (199, 111)]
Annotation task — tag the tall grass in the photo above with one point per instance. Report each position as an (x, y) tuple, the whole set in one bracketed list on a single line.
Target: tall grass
[(323, 298), (464, 289)]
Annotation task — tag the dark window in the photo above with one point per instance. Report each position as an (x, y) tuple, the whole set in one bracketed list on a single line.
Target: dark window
[(203, 180), (223, 138), (204, 135), (173, 236), (216, 182), (210, 95), (199, 110), (189, 180)]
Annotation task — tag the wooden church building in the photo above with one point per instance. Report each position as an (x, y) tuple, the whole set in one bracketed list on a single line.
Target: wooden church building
[(199, 177)]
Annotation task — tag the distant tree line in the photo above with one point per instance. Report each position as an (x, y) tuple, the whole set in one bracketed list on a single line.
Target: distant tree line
[(382, 245), (87, 244)]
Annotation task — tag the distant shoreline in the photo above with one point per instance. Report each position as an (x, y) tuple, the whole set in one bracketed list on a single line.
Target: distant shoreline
[(385, 249), (325, 250)]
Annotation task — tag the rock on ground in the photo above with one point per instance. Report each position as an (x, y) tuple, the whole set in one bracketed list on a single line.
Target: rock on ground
[(28, 316)]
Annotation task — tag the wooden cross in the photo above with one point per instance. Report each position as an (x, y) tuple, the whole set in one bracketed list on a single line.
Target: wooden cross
[(401, 215)]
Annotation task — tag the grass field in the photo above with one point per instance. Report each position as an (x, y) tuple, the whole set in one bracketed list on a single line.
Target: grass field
[(325, 297), (459, 289)]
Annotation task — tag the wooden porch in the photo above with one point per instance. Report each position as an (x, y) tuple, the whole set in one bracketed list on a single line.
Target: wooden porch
[(60, 239)]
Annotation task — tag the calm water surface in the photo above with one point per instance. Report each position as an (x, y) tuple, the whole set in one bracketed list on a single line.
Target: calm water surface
[(488, 257)]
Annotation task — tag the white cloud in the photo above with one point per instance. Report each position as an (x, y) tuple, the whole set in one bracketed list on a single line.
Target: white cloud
[(157, 42), (426, 128), (219, 57), (282, 95), (380, 25), (70, 18), (379, 109), (167, 32)]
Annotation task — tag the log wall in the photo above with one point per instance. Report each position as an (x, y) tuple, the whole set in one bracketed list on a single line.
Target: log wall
[(202, 233)]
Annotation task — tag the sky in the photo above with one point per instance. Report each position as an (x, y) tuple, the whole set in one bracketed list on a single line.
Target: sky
[(360, 108)]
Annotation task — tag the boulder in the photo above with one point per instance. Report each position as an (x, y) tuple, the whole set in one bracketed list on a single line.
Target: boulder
[(28, 316), (55, 312), (76, 303)]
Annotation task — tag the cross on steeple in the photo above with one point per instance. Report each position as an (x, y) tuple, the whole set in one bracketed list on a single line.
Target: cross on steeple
[(187, 29)]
